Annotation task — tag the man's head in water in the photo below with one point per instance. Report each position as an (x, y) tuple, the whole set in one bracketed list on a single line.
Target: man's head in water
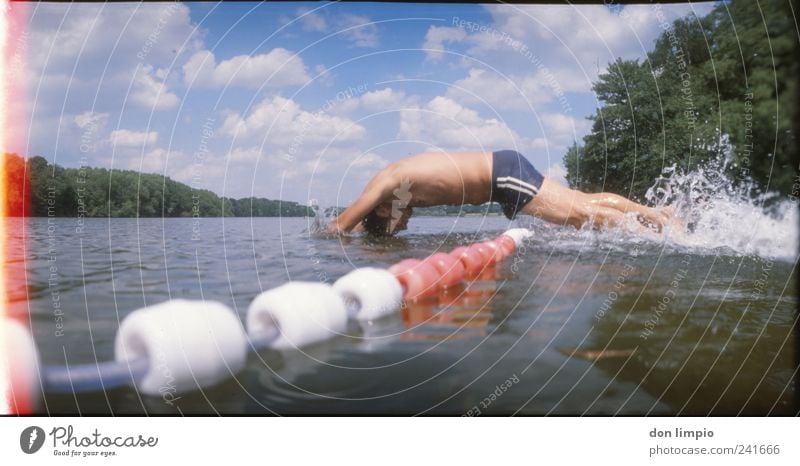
[(381, 221)]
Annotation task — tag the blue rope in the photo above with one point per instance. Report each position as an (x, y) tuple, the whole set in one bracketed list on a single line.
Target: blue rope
[(109, 375), (94, 377)]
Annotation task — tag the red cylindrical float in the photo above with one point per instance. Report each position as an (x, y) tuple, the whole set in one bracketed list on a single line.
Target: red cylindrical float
[(498, 253), (419, 279), (507, 243), (450, 268), (485, 252), (472, 259)]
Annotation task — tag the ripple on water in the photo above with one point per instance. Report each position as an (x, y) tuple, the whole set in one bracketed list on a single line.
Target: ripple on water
[(589, 292)]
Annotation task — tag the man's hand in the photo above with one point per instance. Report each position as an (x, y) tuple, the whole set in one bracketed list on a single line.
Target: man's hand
[(332, 228)]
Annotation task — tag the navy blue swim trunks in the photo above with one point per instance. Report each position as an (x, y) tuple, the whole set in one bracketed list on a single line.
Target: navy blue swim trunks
[(514, 181)]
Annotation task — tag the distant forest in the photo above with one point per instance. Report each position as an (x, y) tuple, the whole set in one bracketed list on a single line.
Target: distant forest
[(98, 192), (53, 190)]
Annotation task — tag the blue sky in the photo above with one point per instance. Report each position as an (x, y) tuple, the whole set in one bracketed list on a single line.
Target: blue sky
[(309, 100)]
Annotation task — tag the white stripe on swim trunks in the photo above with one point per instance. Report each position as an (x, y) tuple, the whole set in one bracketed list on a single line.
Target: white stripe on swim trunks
[(517, 180), (515, 188)]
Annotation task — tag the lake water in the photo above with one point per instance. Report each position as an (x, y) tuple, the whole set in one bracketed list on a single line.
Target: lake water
[(578, 322)]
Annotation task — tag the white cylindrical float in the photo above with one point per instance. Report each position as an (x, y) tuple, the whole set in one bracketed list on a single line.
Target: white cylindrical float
[(297, 314), (519, 235), (370, 293), (20, 362), (188, 344)]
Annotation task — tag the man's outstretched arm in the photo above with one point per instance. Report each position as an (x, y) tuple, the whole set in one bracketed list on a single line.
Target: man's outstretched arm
[(376, 191)]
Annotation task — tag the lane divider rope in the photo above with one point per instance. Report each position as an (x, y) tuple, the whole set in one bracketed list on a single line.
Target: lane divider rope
[(189, 344)]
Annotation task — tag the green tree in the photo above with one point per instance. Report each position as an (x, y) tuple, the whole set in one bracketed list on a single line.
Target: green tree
[(719, 86)]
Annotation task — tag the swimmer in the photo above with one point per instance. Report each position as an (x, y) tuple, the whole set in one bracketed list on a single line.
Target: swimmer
[(505, 177)]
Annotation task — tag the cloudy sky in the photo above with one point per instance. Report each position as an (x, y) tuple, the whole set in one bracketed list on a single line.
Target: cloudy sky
[(300, 101)]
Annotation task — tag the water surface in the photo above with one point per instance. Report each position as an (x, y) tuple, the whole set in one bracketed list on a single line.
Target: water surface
[(578, 322)]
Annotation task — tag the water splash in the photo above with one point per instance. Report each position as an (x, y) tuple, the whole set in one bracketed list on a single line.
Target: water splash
[(323, 216), (713, 215), (718, 213)]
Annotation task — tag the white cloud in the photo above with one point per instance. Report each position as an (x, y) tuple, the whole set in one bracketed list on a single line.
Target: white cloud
[(572, 43), (369, 161), (358, 29), (128, 138), (82, 57), (515, 92), (564, 129), (320, 173), (244, 154), (381, 100), (501, 92), (385, 99), (435, 40), (311, 20), (150, 91), (591, 33), (281, 121), (344, 106), (60, 35), (336, 176), (558, 173), (91, 120), (276, 68), (341, 164), (540, 145), (158, 160), (446, 124), (323, 75)]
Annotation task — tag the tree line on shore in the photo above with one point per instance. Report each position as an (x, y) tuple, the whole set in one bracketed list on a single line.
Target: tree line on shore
[(37, 188)]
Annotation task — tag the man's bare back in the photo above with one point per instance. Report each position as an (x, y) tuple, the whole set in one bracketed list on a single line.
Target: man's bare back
[(431, 179), (444, 179), (424, 180)]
